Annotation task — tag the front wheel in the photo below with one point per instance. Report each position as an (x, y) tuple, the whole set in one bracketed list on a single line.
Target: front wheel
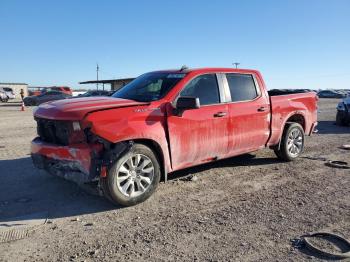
[(340, 121), (292, 143), (133, 178)]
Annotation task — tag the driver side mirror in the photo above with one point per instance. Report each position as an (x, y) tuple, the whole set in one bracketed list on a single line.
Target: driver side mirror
[(185, 103)]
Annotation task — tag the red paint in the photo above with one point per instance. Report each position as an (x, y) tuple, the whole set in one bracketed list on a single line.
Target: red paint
[(193, 138), (79, 152), (103, 171), (77, 109)]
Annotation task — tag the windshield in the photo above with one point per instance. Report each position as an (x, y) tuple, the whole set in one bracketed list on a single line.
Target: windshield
[(149, 87)]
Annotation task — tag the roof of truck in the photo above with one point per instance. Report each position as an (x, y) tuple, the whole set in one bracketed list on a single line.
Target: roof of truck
[(208, 69)]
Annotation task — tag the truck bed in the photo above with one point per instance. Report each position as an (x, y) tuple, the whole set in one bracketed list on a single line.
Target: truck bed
[(281, 92)]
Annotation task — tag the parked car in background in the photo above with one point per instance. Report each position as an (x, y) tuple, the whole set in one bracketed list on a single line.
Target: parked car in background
[(35, 91), (330, 94), (44, 97), (63, 89), (3, 96), (343, 112), (9, 92), (95, 93), (165, 121)]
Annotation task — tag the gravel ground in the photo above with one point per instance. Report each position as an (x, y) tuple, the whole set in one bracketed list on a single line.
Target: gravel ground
[(245, 208)]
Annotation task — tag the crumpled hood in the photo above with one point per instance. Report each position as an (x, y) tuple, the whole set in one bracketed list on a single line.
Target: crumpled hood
[(76, 109)]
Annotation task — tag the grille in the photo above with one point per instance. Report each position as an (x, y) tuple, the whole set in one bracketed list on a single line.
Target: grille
[(56, 132)]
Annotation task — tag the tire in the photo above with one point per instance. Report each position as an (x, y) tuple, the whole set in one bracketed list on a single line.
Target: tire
[(128, 181), (292, 142), (340, 121)]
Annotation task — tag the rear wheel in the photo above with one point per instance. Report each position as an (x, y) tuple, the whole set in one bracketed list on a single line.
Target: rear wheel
[(133, 178), (292, 143)]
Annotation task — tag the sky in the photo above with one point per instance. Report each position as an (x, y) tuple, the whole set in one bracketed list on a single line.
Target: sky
[(295, 44)]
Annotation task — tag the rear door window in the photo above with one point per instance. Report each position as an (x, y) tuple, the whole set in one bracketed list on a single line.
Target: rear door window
[(242, 87)]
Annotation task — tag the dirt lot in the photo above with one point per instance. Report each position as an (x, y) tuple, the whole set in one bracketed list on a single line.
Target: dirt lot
[(245, 208)]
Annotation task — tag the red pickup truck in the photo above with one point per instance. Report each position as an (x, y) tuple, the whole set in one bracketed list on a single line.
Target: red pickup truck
[(164, 121)]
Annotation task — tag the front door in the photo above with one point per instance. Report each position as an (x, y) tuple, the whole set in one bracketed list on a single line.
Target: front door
[(199, 135)]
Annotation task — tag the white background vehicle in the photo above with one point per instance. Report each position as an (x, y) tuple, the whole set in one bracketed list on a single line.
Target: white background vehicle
[(9, 92), (3, 96)]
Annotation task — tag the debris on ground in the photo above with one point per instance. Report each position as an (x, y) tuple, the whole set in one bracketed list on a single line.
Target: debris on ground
[(190, 177), (323, 245), (346, 147), (338, 164)]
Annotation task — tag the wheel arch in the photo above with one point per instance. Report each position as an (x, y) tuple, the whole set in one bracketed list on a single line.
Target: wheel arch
[(157, 149), (294, 118)]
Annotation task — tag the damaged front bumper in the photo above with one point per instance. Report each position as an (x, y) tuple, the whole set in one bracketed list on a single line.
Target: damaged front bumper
[(78, 163)]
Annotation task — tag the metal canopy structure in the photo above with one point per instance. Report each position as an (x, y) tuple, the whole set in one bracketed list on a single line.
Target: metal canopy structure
[(115, 83)]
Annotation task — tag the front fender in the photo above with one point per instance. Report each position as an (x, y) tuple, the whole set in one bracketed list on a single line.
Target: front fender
[(132, 123)]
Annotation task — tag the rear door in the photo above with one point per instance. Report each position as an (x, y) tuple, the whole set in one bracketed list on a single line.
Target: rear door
[(249, 111), (199, 135)]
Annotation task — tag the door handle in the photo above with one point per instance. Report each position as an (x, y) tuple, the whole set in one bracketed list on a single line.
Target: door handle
[(220, 114), (261, 109)]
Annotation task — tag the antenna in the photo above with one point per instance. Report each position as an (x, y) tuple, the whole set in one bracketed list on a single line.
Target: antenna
[(236, 64), (97, 69), (184, 67)]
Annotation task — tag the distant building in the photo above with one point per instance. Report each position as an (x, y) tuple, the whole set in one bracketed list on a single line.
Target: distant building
[(16, 87), (113, 84)]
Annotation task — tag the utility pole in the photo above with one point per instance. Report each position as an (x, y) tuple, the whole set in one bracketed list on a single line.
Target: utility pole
[(97, 68), (236, 64)]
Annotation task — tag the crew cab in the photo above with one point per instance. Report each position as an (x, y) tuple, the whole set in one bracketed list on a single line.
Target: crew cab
[(165, 121)]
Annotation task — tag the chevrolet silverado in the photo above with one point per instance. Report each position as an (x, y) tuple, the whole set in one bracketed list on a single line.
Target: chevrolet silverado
[(164, 121)]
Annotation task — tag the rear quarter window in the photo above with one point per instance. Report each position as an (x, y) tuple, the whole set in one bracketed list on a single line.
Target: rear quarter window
[(242, 87)]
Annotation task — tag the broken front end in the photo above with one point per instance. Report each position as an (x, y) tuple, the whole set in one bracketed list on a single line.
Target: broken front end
[(65, 149)]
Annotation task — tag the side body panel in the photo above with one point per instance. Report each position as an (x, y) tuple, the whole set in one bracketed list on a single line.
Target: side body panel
[(285, 106), (198, 136)]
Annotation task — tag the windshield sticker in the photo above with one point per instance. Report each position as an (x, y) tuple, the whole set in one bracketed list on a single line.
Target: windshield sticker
[(176, 76)]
